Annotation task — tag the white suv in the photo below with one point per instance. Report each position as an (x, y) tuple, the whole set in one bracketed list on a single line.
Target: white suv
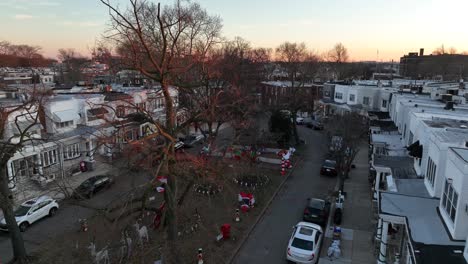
[(304, 244), (32, 211)]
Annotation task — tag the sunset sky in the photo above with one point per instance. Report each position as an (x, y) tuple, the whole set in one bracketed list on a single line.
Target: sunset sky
[(392, 27)]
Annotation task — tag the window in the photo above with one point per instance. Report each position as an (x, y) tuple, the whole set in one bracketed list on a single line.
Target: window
[(19, 167), (450, 200), (431, 171), (338, 96), (380, 150), (71, 151), (63, 124), (365, 100), (120, 111), (49, 157), (410, 140), (352, 97), (384, 103)]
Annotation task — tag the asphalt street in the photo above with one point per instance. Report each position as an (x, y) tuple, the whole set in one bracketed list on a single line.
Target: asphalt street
[(268, 241), (67, 217)]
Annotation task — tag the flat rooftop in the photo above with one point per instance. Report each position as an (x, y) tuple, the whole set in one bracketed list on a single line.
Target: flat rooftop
[(401, 166), (394, 145), (462, 153), (424, 222)]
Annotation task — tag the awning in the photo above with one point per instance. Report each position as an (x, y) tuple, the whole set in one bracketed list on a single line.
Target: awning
[(98, 111), (415, 150), (67, 115)]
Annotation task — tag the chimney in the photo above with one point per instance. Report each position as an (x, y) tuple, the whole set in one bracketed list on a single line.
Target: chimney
[(421, 52)]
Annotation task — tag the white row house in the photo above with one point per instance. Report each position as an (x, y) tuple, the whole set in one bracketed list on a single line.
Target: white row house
[(73, 129), (423, 195)]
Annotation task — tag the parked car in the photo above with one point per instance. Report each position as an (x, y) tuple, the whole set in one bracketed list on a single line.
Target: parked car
[(314, 124), (191, 140), (178, 145), (304, 244), (32, 211), (299, 120), (328, 168), (316, 211), (93, 185)]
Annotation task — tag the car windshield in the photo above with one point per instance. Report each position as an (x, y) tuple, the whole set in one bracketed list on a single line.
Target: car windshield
[(22, 210), (329, 163), (317, 204), (303, 244), (86, 183)]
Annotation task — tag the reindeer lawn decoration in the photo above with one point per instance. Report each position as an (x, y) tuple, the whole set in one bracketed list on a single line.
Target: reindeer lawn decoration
[(142, 233), (126, 245), (100, 255)]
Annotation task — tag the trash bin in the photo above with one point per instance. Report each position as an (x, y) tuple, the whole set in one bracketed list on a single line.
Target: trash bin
[(226, 231)]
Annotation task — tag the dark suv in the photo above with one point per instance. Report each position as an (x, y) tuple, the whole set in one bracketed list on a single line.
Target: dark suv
[(329, 168), (316, 211), (93, 185)]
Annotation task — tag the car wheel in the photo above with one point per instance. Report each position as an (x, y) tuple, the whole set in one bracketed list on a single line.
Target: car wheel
[(23, 226), (52, 211)]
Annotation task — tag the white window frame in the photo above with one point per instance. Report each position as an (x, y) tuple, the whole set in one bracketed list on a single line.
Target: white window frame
[(431, 171), (364, 99), (338, 95), (450, 201), (384, 103), (352, 97), (63, 124), (71, 151), (49, 157)]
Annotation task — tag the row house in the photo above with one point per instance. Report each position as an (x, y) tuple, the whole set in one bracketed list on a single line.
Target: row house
[(427, 208), (361, 96), (277, 94), (76, 128)]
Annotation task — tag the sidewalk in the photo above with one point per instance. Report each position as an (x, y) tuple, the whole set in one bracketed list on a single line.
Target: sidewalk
[(357, 225)]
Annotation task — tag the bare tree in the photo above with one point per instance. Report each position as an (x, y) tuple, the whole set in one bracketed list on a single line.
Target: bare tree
[(346, 133), (452, 50), (301, 66), (163, 42), (440, 50), (73, 63), (339, 54), (9, 145)]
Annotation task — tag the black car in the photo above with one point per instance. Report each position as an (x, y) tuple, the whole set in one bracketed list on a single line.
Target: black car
[(93, 185), (316, 211), (328, 168), (314, 124), (191, 140)]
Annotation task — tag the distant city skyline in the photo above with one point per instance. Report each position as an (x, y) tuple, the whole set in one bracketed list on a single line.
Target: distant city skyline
[(372, 30)]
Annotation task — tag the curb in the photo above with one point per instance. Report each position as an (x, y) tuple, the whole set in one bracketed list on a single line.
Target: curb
[(262, 213)]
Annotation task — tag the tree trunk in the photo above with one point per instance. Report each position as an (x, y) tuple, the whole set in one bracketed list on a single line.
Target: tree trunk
[(170, 190), (6, 198)]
